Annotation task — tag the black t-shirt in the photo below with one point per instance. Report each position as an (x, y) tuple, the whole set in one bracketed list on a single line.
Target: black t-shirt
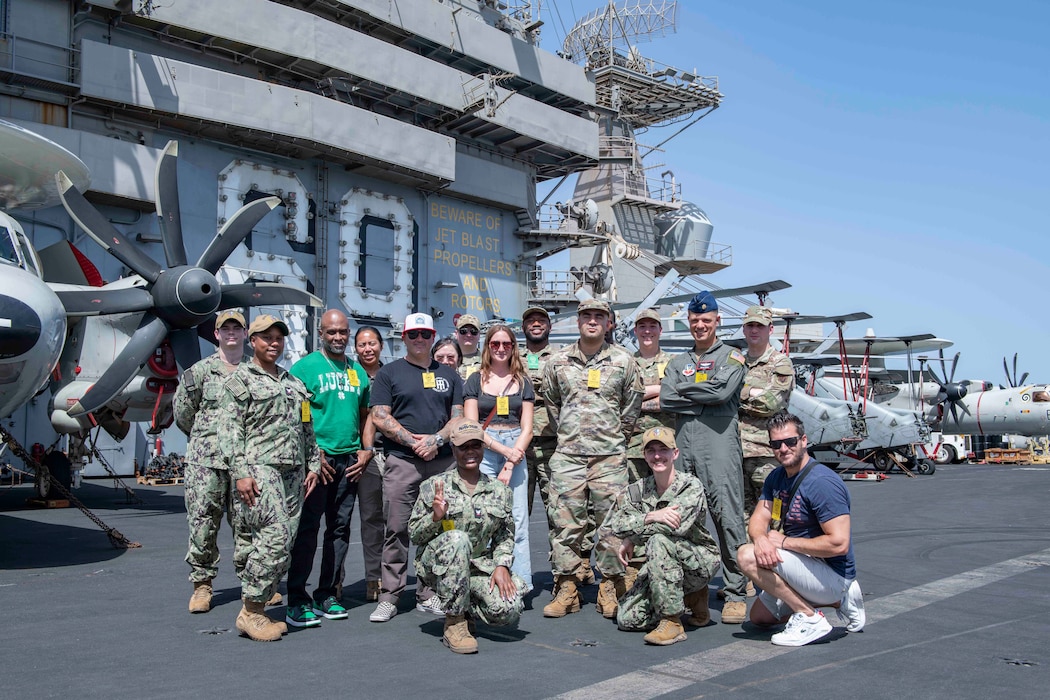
[(486, 402), (419, 410)]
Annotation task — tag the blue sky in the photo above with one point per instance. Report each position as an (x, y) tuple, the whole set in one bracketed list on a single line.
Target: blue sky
[(885, 157)]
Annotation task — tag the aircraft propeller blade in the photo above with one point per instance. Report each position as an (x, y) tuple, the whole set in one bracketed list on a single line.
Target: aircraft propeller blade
[(234, 231), (167, 188), (150, 333), (186, 345), (96, 226), (94, 302), (955, 363), (265, 294), (1023, 377), (1006, 369)]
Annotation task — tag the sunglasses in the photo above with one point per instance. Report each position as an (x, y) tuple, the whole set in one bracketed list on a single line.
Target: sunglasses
[(468, 331), (790, 442), (498, 344), (412, 335)]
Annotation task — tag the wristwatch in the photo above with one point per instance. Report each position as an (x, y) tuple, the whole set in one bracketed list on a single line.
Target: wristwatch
[(439, 440)]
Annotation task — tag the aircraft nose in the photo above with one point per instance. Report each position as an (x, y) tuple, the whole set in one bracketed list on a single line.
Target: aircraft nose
[(20, 327)]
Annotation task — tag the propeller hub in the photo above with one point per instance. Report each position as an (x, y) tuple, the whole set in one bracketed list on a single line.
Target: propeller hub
[(185, 296), (955, 391)]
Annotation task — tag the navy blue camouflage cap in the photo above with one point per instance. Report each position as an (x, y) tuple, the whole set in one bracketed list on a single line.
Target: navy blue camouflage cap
[(702, 303)]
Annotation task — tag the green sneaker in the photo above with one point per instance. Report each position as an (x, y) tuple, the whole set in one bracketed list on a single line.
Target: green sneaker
[(331, 609), (301, 616)]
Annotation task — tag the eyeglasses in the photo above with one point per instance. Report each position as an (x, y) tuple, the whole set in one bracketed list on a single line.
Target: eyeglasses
[(790, 442), (500, 344), (468, 331), (426, 335)]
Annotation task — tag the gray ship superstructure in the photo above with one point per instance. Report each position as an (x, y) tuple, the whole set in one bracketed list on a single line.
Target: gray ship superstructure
[(404, 139)]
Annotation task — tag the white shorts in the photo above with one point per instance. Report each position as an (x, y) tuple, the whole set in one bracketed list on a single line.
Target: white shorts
[(810, 577)]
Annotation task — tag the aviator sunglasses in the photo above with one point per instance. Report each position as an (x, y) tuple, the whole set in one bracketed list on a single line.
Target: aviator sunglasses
[(412, 335), (500, 344), (790, 442)]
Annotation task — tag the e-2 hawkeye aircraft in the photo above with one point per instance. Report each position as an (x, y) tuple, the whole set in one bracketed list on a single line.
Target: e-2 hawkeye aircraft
[(111, 352)]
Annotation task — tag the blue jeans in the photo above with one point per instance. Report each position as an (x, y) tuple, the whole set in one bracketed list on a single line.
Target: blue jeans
[(519, 486)]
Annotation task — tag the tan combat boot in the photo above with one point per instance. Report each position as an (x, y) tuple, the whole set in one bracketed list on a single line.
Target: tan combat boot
[(200, 601), (699, 614), (457, 635), (608, 595), (669, 631), (253, 623), (734, 612), (588, 577), (372, 591), (566, 598), (275, 599)]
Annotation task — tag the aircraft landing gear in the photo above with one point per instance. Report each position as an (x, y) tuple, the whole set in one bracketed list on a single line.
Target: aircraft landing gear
[(882, 461), (925, 466)]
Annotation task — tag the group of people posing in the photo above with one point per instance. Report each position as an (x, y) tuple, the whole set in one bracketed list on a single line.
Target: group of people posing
[(445, 448)]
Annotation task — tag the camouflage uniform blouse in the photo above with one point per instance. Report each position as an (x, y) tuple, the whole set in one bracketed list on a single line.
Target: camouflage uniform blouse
[(198, 411), (775, 375), (541, 422), (485, 516), (627, 518), (262, 422), (592, 421)]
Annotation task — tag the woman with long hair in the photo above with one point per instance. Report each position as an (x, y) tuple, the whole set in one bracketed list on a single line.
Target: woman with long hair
[(369, 344), (500, 397)]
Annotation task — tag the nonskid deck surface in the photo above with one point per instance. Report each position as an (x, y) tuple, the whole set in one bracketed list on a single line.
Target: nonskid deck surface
[(955, 569)]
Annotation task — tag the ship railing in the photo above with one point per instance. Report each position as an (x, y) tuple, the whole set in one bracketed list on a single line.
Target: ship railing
[(553, 286), (35, 62), (633, 185)]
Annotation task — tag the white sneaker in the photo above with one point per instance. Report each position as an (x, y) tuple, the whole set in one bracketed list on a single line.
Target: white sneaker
[(430, 605), (851, 608), (802, 630), (383, 612)]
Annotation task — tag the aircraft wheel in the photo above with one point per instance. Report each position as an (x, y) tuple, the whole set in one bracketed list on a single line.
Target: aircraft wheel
[(881, 461), (945, 455), (43, 482), (926, 467)]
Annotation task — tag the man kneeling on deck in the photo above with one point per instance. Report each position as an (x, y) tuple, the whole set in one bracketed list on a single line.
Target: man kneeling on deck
[(666, 512), (802, 556), (463, 530)]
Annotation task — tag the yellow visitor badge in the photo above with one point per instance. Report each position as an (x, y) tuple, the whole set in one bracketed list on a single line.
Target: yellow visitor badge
[(352, 376), (594, 378), (428, 380), (502, 405), (662, 367), (776, 509), (305, 409), (700, 377), (447, 525)]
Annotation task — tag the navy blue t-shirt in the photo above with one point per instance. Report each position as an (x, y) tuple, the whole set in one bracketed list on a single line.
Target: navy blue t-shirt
[(820, 498), (419, 410)]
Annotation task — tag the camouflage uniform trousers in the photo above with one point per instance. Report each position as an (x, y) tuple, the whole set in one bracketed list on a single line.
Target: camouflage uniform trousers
[(445, 566), (266, 531), (582, 490), (756, 469), (538, 457), (674, 567), (208, 494)]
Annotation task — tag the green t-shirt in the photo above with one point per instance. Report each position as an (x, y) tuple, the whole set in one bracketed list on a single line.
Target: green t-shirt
[(336, 400)]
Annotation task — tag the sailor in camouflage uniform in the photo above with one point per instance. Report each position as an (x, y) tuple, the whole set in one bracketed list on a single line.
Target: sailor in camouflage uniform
[(468, 337), (652, 363), (593, 394), (768, 384), (463, 530), (207, 478), (702, 386), (268, 442), (667, 513), (536, 325)]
